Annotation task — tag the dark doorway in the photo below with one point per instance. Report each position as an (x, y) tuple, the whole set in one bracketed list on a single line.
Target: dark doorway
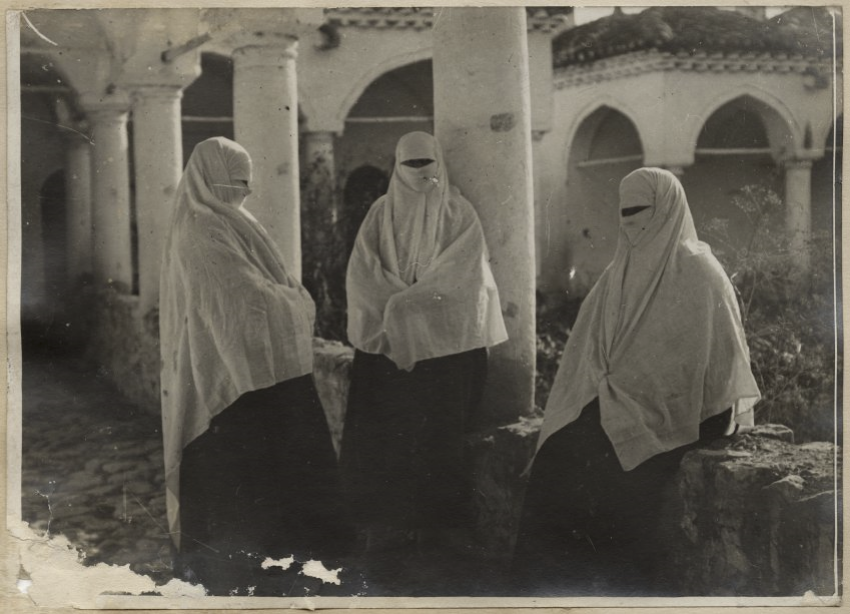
[(43, 327), (364, 186)]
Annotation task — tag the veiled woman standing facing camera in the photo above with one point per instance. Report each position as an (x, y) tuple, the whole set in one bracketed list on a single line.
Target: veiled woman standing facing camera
[(657, 360), (422, 309), (250, 468)]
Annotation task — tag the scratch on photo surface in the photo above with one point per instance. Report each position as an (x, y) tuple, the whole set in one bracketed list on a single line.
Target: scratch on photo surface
[(49, 505), (34, 29), (61, 127)]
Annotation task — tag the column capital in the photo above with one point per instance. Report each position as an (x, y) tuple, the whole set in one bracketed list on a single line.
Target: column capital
[(164, 92), (321, 125), (676, 164), (319, 136), (797, 163), (167, 78), (676, 169), (101, 107), (262, 27), (77, 134), (252, 50)]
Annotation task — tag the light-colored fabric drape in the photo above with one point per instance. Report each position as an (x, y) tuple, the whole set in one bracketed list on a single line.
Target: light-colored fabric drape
[(232, 319), (659, 337), (419, 282)]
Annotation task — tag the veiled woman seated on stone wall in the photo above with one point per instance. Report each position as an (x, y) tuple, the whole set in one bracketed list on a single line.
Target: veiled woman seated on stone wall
[(422, 309), (657, 360), (250, 468)]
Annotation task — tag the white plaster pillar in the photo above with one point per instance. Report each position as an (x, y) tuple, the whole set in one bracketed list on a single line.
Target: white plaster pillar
[(78, 190), (320, 173), (541, 79), (483, 122), (112, 256), (266, 123), (540, 221), (158, 162), (798, 210)]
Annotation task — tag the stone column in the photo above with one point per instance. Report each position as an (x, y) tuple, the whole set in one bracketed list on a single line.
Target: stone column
[(540, 221), (78, 188), (676, 169), (112, 256), (266, 124), (320, 173), (798, 211), (158, 161), (482, 120)]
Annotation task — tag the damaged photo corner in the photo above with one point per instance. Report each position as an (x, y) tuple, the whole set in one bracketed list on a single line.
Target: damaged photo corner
[(207, 205)]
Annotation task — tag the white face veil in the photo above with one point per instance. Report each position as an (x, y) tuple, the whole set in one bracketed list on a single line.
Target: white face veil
[(637, 207), (416, 199), (659, 338), (218, 173)]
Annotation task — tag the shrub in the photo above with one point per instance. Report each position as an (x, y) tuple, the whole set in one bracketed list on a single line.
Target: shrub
[(788, 317), (553, 328), (324, 252)]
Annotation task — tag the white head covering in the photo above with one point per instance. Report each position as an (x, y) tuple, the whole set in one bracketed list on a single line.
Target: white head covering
[(415, 198), (659, 337), (419, 282), (231, 318)]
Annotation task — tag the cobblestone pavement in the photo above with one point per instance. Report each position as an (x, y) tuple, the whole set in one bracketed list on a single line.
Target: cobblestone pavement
[(92, 470), (92, 467)]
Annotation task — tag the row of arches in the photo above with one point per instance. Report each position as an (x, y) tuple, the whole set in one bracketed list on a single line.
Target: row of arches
[(738, 142), (735, 147)]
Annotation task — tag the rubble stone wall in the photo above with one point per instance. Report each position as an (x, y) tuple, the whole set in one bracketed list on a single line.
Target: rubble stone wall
[(755, 515), (125, 347), (750, 515)]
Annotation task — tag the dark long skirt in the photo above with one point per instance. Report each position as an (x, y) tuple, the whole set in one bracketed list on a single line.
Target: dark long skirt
[(588, 527), (261, 482), (403, 457)]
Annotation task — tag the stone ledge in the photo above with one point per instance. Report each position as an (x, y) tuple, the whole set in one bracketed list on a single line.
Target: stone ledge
[(332, 372), (754, 514)]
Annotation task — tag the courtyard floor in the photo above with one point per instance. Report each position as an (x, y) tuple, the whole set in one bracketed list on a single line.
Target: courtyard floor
[(92, 470)]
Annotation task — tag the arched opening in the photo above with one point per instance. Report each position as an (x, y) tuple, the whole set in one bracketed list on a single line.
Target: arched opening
[(44, 327), (43, 92), (327, 253), (207, 105), (362, 188), (397, 102), (734, 149), (606, 147), (54, 234)]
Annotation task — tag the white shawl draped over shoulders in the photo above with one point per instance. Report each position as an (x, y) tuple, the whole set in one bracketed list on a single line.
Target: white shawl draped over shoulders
[(658, 339)]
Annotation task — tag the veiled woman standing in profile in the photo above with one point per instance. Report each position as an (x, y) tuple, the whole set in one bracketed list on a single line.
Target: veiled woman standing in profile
[(250, 467), (657, 361), (422, 309)]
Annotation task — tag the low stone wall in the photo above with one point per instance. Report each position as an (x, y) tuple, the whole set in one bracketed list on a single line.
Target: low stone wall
[(755, 515), (125, 347), (499, 457), (498, 454)]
